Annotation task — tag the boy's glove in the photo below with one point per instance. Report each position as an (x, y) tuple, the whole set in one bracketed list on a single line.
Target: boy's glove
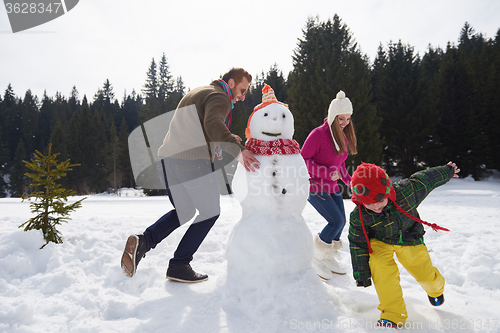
[(365, 283)]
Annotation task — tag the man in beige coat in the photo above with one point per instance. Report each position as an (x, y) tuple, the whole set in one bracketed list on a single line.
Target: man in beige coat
[(198, 129)]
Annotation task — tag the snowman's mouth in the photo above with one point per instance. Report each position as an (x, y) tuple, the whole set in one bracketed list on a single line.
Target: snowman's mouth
[(271, 134)]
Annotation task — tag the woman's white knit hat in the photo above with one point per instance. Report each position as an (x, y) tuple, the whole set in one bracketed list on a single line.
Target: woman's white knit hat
[(340, 105)]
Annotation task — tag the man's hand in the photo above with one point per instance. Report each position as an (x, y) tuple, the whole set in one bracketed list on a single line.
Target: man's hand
[(236, 137), (249, 161), (456, 169)]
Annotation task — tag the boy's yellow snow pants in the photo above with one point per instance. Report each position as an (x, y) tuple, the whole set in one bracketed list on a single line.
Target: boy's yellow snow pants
[(385, 275)]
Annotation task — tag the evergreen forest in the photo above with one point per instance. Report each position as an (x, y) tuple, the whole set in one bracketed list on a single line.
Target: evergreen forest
[(411, 111)]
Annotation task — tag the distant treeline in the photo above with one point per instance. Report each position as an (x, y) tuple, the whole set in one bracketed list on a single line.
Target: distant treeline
[(410, 111)]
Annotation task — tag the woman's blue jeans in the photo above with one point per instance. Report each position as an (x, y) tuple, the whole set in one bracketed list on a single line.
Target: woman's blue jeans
[(331, 207), (191, 186)]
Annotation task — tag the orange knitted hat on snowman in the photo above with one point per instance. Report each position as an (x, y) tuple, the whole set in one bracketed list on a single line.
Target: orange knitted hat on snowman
[(268, 98)]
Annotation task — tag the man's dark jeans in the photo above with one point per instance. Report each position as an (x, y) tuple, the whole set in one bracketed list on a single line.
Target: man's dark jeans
[(191, 185)]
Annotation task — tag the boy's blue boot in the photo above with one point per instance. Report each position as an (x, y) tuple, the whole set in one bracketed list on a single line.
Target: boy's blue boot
[(437, 301)]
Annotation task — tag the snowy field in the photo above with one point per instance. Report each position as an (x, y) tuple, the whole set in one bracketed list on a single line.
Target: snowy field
[(79, 287)]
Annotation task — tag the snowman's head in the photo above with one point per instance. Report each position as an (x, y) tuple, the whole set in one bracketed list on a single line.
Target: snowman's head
[(271, 119)]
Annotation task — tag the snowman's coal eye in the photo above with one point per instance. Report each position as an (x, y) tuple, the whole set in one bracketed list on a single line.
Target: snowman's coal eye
[(265, 114), (284, 115)]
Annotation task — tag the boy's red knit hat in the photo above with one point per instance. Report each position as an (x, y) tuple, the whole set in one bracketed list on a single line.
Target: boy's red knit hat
[(371, 184)]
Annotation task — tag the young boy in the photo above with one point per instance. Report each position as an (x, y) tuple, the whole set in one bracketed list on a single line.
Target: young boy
[(385, 222)]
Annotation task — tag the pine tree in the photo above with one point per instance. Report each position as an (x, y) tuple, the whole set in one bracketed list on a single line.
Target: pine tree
[(12, 121), (165, 81), (4, 151), (479, 62), (105, 105), (151, 86), (50, 200), (277, 81), (29, 119), (59, 141), (107, 91), (45, 122), (85, 147), (111, 153), (432, 150), (327, 60), (456, 127), (60, 111), (18, 182), (130, 110), (398, 95), (3, 167), (123, 158), (491, 61), (316, 62), (151, 93), (73, 101), (175, 96)]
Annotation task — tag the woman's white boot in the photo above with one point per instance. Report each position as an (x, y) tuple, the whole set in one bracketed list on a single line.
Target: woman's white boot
[(321, 253), (331, 261)]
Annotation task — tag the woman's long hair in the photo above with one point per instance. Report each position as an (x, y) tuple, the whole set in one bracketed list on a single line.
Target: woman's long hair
[(341, 135)]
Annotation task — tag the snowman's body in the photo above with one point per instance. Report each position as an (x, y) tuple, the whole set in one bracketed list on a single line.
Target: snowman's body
[(269, 254), (272, 238)]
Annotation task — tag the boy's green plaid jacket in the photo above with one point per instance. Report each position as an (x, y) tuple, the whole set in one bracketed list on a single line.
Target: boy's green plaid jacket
[(391, 226)]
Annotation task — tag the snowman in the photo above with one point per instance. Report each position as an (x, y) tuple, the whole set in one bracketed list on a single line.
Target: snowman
[(270, 251), (272, 236)]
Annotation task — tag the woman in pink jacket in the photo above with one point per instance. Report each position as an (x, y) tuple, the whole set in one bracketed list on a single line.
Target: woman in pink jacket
[(325, 151)]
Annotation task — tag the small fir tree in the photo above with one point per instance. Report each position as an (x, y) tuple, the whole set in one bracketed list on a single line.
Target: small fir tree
[(49, 197)]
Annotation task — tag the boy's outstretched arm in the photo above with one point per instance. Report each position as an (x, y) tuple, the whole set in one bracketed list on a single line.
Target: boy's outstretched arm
[(423, 182)]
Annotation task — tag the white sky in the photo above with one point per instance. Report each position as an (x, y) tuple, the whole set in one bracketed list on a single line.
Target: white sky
[(117, 39)]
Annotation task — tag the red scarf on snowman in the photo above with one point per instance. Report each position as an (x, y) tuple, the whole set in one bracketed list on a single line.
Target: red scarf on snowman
[(275, 147)]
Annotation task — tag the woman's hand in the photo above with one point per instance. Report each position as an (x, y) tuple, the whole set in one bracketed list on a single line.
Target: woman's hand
[(336, 175)]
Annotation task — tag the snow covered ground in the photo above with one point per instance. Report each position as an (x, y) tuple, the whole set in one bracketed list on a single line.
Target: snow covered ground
[(79, 287)]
